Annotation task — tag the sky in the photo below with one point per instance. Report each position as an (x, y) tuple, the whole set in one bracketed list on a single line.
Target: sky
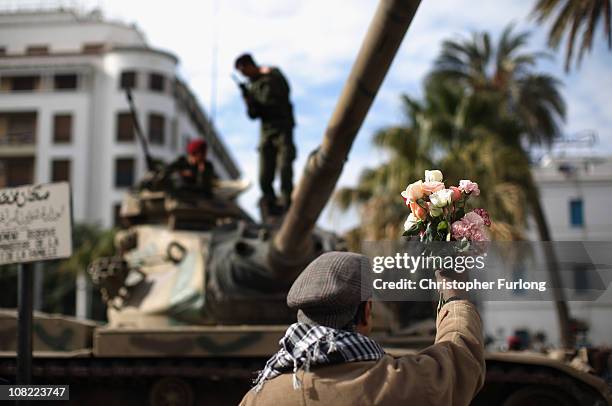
[(314, 42)]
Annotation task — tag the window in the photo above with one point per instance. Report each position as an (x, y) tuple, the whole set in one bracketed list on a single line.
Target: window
[(16, 171), (23, 83), (124, 172), (93, 48), (156, 82), (60, 170), (37, 50), (62, 128), (576, 214), (65, 82), (128, 79), (156, 128), (18, 128), (125, 127)]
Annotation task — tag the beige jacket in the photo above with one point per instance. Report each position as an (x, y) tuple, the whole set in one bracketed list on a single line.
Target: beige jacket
[(450, 372)]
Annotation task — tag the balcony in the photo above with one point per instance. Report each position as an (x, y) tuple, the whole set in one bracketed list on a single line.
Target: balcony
[(36, 83), (17, 139), (17, 134)]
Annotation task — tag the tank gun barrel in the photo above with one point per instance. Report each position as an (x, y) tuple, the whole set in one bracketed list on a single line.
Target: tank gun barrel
[(292, 244), (138, 130)]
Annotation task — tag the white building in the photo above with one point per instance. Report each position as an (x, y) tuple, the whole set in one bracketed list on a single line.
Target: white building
[(64, 113), (576, 193)]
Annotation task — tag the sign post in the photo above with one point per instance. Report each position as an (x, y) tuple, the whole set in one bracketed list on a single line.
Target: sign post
[(24, 332), (35, 225)]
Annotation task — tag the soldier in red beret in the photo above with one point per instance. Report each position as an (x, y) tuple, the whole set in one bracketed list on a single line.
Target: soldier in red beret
[(195, 173)]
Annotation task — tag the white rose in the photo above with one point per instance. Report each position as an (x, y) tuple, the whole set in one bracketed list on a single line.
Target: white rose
[(433, 176), (410, 221), (441, 198)]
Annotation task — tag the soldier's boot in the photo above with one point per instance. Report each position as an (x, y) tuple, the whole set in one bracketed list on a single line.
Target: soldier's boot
[(285, 201)]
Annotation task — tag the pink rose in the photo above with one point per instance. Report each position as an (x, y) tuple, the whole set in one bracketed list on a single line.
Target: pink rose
[(456, 193), (418, 211), (468, 186), (413, 192), (431, 187)]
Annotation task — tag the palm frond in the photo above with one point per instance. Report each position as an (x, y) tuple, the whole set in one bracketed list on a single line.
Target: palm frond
[(572, 18)]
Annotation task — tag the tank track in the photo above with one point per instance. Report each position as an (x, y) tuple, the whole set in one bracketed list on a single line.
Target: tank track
[(504, 380), (222, 381), (155, 381)]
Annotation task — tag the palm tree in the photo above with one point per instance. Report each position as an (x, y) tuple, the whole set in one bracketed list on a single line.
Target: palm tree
[(444, 130), (530, 108), (528, 98), (574, 18), (91, 242), (377, 191)]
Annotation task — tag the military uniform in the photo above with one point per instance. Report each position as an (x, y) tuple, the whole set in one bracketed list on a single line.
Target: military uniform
[(191, 179), (268, 100)]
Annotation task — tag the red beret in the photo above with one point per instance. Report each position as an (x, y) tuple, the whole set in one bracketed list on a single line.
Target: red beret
[(195, 146)]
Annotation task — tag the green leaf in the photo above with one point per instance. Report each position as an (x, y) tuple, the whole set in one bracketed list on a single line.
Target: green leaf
[(459, 213), (442, 226)]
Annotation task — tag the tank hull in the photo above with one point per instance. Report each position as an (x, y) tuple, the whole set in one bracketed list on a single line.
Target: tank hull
[(216, 364)]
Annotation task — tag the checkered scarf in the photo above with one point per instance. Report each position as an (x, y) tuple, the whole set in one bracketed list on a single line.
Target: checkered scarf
[(307, 345)]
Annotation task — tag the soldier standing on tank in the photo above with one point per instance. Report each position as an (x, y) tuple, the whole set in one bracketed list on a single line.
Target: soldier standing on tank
[(267, 98)]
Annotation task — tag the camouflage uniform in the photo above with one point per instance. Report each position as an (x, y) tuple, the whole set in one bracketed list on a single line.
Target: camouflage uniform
[(268, 100)]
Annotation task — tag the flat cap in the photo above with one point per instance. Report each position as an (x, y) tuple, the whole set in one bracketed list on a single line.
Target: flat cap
[(328, 292)]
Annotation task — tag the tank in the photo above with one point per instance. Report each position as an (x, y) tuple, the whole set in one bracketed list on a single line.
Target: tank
[(196, 295)]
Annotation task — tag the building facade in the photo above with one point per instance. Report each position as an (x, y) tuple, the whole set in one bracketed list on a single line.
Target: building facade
[(64, 114), (576, 193)]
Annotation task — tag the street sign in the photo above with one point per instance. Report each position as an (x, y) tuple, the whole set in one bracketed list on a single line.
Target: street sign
[(35, 223)]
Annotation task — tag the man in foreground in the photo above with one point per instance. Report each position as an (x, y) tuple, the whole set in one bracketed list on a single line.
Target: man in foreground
[(267, 99), (326, 357)]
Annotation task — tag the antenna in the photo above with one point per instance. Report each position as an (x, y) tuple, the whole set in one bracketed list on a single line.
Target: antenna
[(138, 130), (213, 70)]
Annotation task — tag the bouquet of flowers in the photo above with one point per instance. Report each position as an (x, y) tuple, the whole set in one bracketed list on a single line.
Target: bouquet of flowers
[(439, 214)]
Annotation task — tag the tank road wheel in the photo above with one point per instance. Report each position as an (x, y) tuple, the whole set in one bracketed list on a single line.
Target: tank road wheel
[(171, 392), (538, 396)]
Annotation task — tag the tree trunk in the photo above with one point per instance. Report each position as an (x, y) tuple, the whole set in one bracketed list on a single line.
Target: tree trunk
[(563, 316)]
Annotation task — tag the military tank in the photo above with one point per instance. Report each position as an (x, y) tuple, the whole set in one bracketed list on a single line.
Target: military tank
[(196, 297)]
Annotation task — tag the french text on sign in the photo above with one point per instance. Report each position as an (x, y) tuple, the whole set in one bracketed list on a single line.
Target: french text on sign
[(35, 223)]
